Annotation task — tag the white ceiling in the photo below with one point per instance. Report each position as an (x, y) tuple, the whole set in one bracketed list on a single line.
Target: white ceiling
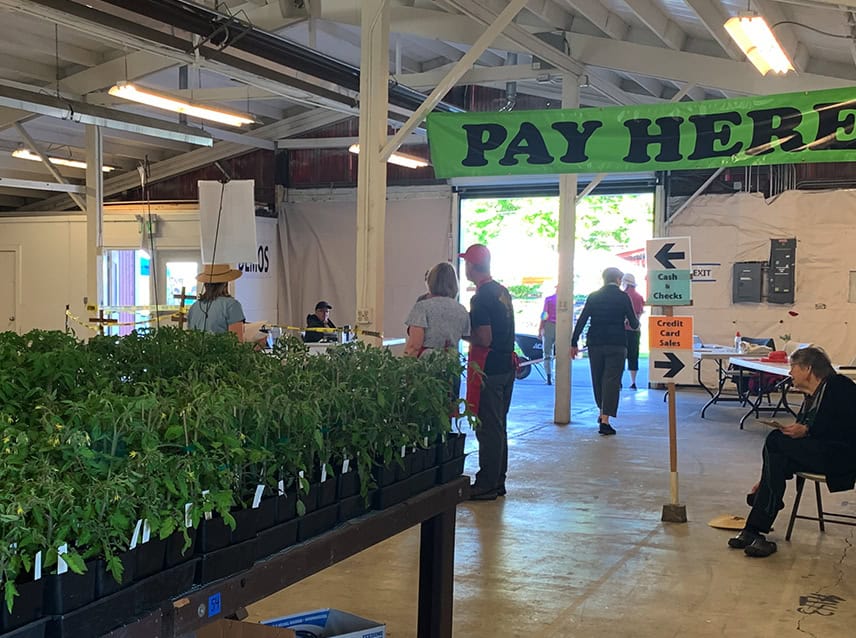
[(630, 51)]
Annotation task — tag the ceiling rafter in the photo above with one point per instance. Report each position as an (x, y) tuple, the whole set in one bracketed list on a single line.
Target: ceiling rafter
[(672, 35), (595, 12), (303, 122), (713, 16)]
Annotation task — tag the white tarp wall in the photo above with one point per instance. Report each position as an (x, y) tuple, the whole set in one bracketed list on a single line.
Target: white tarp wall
[(318, 235), (47, 259), (729, 228)]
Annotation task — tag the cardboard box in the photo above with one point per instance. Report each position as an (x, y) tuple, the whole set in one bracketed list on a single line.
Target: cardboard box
[(329, 623), (235, 629)]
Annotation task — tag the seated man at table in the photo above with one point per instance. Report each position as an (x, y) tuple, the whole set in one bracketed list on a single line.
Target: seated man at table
[(822, 441), (320, 319)]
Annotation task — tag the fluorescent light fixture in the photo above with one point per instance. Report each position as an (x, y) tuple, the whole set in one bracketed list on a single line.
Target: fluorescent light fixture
[(402, 159), (755, 38), (128, 91), (23, 153)]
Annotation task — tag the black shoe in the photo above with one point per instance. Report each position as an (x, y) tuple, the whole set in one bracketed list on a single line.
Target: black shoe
[(750, 499), (633, 386), (484, 495), (744, 539), (760, 548), (500, 491), (606, 429), (549, 381)]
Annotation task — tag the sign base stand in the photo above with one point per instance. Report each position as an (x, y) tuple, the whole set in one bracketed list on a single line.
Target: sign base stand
[(674, 513)]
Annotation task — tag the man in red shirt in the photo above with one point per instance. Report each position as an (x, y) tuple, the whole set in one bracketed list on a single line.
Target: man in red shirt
[(547, 332)]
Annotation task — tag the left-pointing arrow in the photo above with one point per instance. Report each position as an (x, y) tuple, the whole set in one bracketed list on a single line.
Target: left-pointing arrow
[(674, 364)]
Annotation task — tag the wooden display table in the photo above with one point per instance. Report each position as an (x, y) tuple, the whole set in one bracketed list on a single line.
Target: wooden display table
[(433, 509)]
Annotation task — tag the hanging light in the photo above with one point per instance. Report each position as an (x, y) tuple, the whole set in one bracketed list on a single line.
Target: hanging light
[(22, 153), (141, 95), (756, 39), (402, 159)]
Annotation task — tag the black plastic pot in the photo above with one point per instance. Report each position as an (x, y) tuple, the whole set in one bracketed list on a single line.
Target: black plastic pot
[(224, 562), (403, 467), (354, 506), (175, 552), (451, 448), (27, 606), (349, 484), (246, 524), (150, 593), (327, 491), (450, 470), (317, 522), (276, 539), (213, 534), (286, 506), (150, 558), (384, 475), (310, 498), (68, 591), (417, 460), (105, 584), (266, 513)]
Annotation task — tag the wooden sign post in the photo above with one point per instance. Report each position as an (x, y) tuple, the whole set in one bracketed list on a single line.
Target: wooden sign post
[(181, 317), (670, 339), (102, 321)]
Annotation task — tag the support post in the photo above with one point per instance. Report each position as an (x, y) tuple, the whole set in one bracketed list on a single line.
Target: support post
[(565, 293), (371, 168), (94, 212), (673, 512)]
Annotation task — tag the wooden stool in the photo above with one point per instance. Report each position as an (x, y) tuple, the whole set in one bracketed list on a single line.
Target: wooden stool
[(822, 517)]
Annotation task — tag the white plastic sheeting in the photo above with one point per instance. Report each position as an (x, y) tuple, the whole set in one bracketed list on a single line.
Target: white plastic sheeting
[(729, 228)]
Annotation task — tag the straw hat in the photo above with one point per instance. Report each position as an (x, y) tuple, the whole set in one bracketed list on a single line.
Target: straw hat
[(217, 274), (728, 521)]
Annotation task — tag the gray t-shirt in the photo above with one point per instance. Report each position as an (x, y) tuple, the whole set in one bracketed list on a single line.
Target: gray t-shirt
[(222, 312), (445, 321)]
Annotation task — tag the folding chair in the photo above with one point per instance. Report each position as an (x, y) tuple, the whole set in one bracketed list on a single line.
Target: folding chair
[(823, 516)]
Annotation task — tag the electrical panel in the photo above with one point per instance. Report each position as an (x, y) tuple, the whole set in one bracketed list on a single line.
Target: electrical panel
[(746, 282), (781, 274)]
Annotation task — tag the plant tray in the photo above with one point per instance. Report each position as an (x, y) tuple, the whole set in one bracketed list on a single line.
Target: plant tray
[(266, 513), (349, 484), (33, 630), (450, 470), (286, 506), (384, 475), (452, 448), (150, 558), (27, 607), (105, 584), (310, 498), (354, 506), (276, 539), (246, 525), (327, 491), (224, 562), (405, 469), (425, 480), (213, 534), (69, 591), (115, 610), (175, 543), (317, 522)]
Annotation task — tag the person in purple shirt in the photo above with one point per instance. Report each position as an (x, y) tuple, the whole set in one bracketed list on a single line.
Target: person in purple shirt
[(547, 333), (628, 282)]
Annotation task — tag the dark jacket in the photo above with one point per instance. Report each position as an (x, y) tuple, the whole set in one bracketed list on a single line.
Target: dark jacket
[(607, 308), (312, 321), (835, 426)]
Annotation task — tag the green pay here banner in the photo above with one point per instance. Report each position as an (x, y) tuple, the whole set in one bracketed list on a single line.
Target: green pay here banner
[(816, 126)]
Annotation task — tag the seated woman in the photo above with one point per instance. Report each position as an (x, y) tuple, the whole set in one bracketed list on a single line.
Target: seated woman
[(822, 440), (438, 321), (216, 311)]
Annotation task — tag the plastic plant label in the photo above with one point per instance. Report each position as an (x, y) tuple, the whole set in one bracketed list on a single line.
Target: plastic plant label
[(188, 520), (403, 450), (257, 497), (323, 472), (147, 531), (208, 515), (135, 537), (61, 565), (280, 487), (425, 442), (346, 464), (37, 566)]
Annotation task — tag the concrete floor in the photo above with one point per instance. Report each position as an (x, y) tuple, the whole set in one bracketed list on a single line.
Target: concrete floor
[(577, 547)]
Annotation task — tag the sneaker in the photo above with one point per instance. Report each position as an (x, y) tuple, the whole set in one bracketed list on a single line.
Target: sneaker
[(606, 429), (760, 548), (633, 387), (744, 539)]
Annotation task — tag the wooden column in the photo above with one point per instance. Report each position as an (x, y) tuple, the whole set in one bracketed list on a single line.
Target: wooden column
[(371, 170), (94, 213)]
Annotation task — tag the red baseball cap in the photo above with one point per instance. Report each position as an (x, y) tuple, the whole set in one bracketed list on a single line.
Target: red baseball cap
[(476, 254)]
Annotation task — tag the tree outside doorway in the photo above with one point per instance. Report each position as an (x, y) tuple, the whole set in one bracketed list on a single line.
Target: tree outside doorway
[(522, 234)]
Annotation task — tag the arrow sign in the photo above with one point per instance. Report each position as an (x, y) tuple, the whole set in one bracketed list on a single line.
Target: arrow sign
[(665, 256), (674, 365)]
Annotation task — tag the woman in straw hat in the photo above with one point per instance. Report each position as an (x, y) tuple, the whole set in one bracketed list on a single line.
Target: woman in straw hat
[(216, 311)]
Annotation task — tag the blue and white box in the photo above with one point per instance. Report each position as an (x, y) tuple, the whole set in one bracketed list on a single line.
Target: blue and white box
[(329, 623)]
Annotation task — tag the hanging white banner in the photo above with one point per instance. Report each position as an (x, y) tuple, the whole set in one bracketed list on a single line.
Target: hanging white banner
[(227, 221)]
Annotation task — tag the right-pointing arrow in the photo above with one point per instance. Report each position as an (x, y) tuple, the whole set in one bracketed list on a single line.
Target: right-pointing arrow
[(674, 364)]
